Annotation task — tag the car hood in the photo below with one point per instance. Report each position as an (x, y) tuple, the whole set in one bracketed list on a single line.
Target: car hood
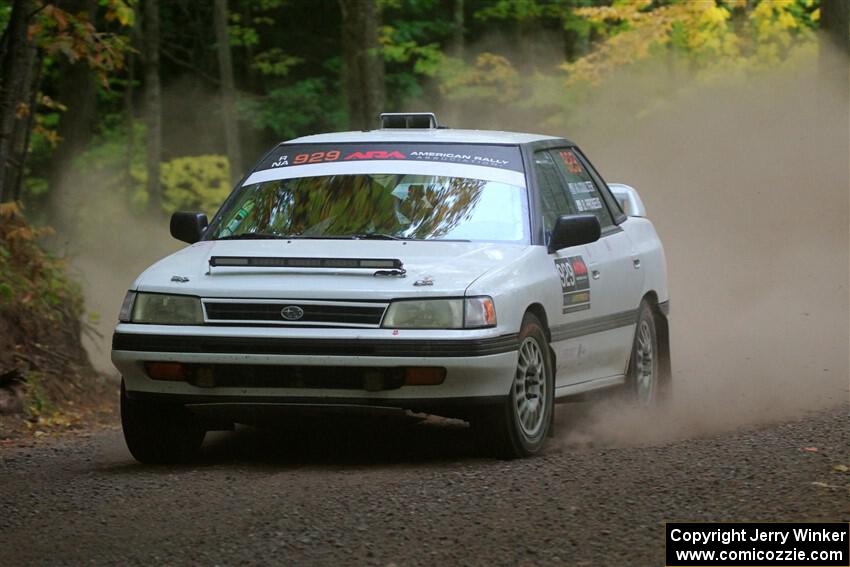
[(433, 268)]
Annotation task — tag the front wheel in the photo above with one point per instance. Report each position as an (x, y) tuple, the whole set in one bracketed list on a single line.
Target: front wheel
[(158, 433), (518, 426)]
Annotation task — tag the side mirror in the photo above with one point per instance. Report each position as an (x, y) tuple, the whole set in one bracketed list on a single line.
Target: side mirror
[(629, 199), (574, 230), (188, 227)]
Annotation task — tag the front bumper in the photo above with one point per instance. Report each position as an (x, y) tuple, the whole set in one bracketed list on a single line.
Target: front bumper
[(479, 365)]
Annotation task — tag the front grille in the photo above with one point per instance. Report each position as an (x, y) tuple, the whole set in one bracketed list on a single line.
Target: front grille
[(324, 377), (313, 313)]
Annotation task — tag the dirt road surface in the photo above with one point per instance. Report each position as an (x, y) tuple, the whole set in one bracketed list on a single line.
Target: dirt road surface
[(409, 493)]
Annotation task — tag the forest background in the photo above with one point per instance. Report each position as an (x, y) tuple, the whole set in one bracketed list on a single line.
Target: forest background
[(115, 113)]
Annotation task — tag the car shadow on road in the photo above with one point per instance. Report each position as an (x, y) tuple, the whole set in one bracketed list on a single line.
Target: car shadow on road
[(344, 441), (337, 440)]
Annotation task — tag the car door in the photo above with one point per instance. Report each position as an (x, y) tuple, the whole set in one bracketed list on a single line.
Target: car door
[(614, 267), (600, 281), (575, 352)]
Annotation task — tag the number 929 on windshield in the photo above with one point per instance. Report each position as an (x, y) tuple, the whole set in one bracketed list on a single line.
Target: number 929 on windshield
[(502, 157)]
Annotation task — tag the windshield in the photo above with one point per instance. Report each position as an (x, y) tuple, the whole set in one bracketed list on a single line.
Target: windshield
[(406, 206)]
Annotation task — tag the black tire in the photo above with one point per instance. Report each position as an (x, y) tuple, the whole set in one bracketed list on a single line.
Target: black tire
[(158, 433), (507, 431), (643, 381)]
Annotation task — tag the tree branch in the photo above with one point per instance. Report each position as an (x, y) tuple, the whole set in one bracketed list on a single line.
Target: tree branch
[(193, 68)]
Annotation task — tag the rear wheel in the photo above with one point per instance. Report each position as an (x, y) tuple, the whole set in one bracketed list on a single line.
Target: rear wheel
[(518, 426), (642, 384), (158, 433)]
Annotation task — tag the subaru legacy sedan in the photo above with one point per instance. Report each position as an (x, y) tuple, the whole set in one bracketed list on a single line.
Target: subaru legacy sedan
[(472, 274)]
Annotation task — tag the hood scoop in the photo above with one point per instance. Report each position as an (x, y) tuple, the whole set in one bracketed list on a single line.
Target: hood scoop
[(385, 266)]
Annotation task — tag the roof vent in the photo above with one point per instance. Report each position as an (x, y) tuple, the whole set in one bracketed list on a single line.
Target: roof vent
[(409, 120)]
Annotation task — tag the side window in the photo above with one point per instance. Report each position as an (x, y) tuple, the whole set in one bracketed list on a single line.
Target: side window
[(553, 194), (582, 191), (613, 204)]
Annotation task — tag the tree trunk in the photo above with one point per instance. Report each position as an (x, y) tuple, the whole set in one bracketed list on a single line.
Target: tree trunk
[(23, 128), (456, 47), (130, 118), (834, 43), (17, 65), (364, 64), (76, 88), (129, 94), (228, 91), (153, 104), (835, 23)]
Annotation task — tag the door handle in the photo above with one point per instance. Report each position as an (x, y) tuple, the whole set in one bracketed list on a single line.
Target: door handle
[(636, 263), (595, 274)]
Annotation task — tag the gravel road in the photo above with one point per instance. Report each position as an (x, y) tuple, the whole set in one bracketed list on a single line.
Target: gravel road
[(407, 493)]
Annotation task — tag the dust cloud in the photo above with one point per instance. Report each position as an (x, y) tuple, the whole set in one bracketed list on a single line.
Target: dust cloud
[(107, 245), (747, 184), (109, 242)]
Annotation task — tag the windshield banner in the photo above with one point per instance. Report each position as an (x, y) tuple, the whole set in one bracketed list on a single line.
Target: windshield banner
[(502, 157)]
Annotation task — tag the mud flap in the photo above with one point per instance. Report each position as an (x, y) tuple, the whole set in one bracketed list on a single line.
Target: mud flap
[(551, 432), (665, 369)]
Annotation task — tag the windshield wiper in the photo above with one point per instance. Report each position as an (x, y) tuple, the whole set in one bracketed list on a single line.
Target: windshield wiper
[(264, 236), (250, 236), (377, 236)]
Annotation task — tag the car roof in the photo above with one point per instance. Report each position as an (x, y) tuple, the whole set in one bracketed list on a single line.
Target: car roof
[(440, 135)]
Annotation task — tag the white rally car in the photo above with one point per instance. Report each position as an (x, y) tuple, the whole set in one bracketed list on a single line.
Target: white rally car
[(474, 274)]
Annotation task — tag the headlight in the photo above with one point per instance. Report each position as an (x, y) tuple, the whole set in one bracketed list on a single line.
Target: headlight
[(473, 312), (164, 309)]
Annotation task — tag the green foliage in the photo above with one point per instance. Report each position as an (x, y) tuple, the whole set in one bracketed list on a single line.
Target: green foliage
[(120, 11), (188, 182), (5, 14), (704, 32), (117, 160), (491, 77), (32, 279), (38, 402), (75, 37), (517, 10), (777, 27), (306, 106), (241, 35), (411, 43), (275, 62), (195, 183)]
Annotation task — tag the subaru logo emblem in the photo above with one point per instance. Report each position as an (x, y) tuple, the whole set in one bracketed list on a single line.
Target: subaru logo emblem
[(291, 312)]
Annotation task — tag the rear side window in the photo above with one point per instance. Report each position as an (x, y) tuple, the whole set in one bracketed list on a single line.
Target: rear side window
[(583, 193)]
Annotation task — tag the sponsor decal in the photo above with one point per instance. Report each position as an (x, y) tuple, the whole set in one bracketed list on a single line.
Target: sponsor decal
[(589, 204), (575, 283), (502, 157), (375, 154), (315, 157), (581, 187), (570, 160)]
